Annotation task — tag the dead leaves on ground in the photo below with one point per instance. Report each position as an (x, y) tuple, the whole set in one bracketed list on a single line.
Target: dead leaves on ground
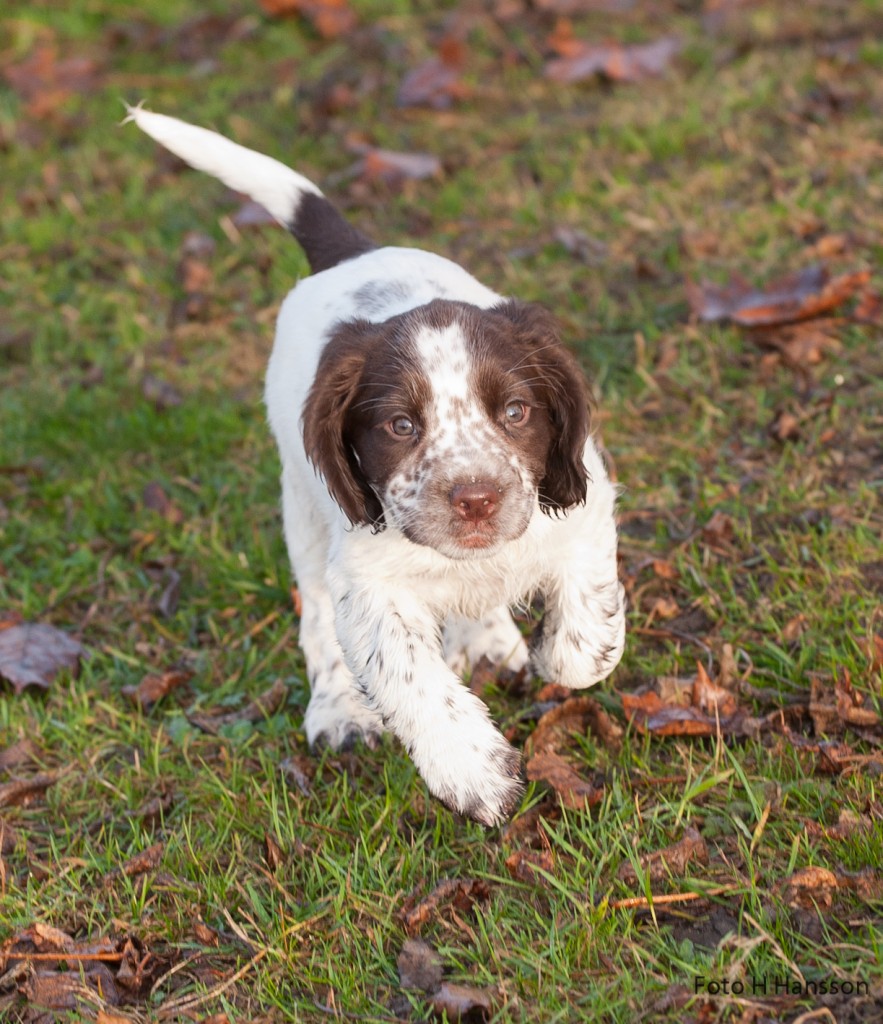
[(450, 895), (33, 653), (421, 969), (577, 60), (798, 296), (688, 707), (47, 967)]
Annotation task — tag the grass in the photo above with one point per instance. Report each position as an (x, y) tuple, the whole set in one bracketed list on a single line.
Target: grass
[(760, 140)]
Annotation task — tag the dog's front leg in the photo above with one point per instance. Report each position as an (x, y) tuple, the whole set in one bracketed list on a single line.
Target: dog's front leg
[(581, 637), (392, 645)]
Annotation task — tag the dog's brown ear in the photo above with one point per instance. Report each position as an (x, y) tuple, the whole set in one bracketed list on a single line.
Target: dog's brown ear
[(326, 422), (558, 380)]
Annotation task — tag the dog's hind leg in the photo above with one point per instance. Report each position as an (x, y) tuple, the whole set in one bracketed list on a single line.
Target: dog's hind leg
[(494, 636)]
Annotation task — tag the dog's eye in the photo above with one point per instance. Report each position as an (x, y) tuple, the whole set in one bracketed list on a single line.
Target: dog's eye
[(401, 426), (517, 413)]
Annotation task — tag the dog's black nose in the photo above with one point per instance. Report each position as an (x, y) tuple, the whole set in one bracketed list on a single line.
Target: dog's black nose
[(475, 502)]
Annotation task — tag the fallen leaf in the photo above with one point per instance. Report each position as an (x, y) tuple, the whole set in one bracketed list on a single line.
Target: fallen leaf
[(832, 710), (527, 865), (575, 715), (160, 392), (463, 1002), (46, 81), (251, 215), (419, 966), (684, 707), (330, 18), (167, 603), (798, 296), (25, 791), (153, 688), (21, 752), (32, 654), (875, 654), (710, 698), (298, 770), (436, 83), (8, 837), (151, 811), (785, 427), (810, 887), (145, 861), (870, 307), (45, 936), (262, 707), (112, 1018), (460, 892), (204, 934), (670, 861), (615, 61), (573, 791), (391, 167), (719, 531), (155, 498), (273, 854), (800, 345)]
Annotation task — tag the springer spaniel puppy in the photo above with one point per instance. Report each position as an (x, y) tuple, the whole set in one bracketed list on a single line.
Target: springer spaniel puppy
[(437, 468)]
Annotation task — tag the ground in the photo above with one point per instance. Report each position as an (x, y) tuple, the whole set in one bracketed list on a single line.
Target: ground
[(702, 837)]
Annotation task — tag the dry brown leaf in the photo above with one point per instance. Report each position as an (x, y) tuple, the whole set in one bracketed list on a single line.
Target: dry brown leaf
[(264, 706), (463, 1002), (572, 790), (671, 860), (419, 966), (33, 653), (143, 862), (719, 531), (273, 854), (111, 1018), (155, 498), (46, 81), (204, 934), (575, 715), (8, 838), (461, 892), (161, 393), (393, 168), (436, 83), (831, 710), (330, 18), (25, 791), (875, 653), (799, 296), (153, 688), (785, 427), (615, 61), (527, 865), (710, 698), (20, 753), (696, 707)]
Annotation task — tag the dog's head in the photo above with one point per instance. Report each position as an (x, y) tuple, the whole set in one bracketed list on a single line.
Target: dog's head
[(450, 422)]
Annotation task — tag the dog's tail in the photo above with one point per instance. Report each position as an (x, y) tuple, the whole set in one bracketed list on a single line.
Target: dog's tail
[(326, 238)]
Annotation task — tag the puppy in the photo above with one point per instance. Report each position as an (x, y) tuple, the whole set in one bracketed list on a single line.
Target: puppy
[(437, 469)]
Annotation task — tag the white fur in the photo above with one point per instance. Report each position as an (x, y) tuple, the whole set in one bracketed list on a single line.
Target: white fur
[(375, 605)]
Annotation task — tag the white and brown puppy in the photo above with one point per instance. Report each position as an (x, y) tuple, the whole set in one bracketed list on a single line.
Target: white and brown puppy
[(437, 469)]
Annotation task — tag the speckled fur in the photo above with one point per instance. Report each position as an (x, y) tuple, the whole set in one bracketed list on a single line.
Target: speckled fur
[(400, 592)]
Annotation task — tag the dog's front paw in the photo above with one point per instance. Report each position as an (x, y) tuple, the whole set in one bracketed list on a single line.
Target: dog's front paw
[(579, 653), (339, 721), (484, 784)]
